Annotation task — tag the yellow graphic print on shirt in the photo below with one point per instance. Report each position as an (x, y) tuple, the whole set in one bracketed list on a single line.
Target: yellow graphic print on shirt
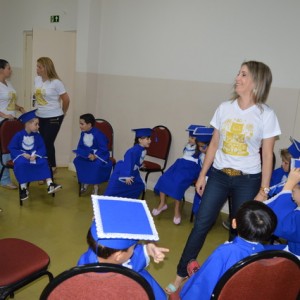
[(39, 97), (236, 133), (12, 101)]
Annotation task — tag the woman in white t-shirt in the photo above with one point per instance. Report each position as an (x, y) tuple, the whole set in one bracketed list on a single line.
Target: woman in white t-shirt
[(52, 102), (242, 125), (8, 108)]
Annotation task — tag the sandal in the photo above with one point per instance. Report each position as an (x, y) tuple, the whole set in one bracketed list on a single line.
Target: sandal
[(192, 267)]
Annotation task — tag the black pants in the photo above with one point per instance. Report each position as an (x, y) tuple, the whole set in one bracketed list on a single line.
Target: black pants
[(49, 128)]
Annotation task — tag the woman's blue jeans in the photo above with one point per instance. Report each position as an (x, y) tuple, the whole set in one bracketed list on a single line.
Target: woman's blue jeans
[(219, 186)]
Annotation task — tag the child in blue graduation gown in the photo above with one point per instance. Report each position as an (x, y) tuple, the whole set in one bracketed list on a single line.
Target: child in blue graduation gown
[(28, 152), (126, 180), (123, 248), (177, 179), (255, 223), (280, 175), (286, 206), (92, 162)]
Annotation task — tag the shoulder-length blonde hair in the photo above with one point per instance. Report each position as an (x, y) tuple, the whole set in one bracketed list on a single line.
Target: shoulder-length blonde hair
[(262, 78), (48, 64)]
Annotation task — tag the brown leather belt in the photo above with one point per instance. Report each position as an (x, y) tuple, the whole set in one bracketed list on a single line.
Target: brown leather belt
[(232, 172)]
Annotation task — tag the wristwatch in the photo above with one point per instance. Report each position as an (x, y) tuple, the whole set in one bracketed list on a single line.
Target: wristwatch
[(266, 190)]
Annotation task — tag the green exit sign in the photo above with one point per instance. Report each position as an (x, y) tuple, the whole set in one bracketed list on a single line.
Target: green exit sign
[(54, 19)]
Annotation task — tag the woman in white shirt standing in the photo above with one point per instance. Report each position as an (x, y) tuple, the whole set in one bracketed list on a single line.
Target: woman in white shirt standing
[(8, 108), (52, 102)]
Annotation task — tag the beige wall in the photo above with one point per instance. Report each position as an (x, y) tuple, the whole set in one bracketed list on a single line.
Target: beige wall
[(171, 62)]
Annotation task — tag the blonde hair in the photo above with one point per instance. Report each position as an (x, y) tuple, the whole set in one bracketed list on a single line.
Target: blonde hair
[(262, 78), (48, 64), (285, 155)]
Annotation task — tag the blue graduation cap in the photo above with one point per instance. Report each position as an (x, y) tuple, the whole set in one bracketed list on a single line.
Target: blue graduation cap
[(191, 129), (203, 134), (28, 116), (294, 149), (142, 132), (121, 222)]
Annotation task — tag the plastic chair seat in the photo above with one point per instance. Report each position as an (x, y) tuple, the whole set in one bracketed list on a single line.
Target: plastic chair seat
[(150, 166), (21, 263)]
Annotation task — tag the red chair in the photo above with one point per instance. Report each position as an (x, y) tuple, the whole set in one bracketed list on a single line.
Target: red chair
[(21, 263), (98, 281), (159, 148), (266, 275), (106, 128), (8, 128)]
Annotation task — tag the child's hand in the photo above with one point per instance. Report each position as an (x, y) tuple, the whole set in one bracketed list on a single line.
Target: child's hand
[(293, 179), (32, 157), (156, 252), (92, 157), (129, 180), (26, 155)]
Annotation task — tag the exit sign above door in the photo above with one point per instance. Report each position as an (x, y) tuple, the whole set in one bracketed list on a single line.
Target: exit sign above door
[(54, 19)]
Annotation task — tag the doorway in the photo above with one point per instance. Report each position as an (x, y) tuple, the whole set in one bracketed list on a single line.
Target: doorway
[(60, 46)]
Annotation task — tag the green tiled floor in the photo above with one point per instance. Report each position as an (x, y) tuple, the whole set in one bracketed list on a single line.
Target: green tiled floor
[(59, 226)]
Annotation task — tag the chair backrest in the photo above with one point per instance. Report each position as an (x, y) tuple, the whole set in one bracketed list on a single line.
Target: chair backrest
[(98, 281), (106, 128), (161, 139), (8, 128), (266, 275)]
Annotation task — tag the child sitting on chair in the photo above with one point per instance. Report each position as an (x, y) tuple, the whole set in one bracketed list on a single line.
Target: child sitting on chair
[(286, 206), (280, 175), (181, 175), (255, 222), (115, 233), (28, 153), (92, 162)]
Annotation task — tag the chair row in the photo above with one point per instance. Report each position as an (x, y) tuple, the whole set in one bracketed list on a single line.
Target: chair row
[(270, 274)]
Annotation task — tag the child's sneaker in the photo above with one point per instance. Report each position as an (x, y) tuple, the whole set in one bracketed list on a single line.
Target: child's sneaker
[(83, 188), (53, 188), (24, 194)]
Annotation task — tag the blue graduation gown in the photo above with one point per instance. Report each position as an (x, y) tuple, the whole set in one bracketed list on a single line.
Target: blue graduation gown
[(278, 179), (26, 171), (202, 283), (129, 167), (178, 178), (137, 262), (288, 219), (98, 170)]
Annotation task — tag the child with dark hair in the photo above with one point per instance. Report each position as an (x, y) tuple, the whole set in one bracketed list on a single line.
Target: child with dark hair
[(255, 222), (28, 152), (92, 162), (115, 233), (126, 180)]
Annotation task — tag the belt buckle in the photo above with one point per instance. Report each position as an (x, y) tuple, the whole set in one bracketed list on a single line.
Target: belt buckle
[(232, 172)]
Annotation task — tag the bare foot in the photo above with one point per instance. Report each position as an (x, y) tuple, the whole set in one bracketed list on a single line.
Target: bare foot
[(173, 287)]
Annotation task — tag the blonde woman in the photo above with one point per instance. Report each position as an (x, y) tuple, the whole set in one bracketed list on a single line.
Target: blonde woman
[(52, 102)]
